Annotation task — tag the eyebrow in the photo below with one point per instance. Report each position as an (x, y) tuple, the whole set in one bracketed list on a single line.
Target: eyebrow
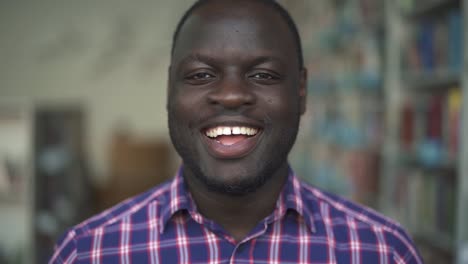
[(198, 58), (263, 59), (210, 60)]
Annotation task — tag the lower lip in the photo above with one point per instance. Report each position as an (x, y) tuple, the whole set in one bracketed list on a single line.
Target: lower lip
[(234, 151)]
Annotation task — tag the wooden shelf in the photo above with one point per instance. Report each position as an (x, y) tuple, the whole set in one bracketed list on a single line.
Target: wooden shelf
[(448, 166), (432, 8), (439, 80)]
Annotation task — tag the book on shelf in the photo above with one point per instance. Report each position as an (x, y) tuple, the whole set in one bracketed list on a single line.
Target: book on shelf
[(454, 102), (426, 201), (455, 51), (430, 128), (435, 45)]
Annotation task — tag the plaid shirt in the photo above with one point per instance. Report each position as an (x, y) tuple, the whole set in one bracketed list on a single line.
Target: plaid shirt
[(307, 226)]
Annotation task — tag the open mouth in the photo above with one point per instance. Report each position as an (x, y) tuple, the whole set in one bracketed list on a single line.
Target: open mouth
[(231, 141), (230, 135)]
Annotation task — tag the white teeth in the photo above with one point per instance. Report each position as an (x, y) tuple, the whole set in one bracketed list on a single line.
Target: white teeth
[(226, 131), (223, 130)]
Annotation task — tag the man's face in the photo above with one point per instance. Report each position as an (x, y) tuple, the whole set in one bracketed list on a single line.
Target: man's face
[(236, 93)]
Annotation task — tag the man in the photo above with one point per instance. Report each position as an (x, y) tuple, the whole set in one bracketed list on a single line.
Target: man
[(237, 89)]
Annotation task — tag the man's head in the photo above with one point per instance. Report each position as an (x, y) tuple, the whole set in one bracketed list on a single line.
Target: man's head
[(271, 3), (236, 91)]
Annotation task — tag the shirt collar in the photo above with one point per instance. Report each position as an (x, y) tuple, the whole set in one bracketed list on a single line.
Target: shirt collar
[(291, 198), (179, 200)]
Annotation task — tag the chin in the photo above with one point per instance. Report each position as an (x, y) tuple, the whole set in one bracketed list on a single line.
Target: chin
[(237, 185), (235, 180)]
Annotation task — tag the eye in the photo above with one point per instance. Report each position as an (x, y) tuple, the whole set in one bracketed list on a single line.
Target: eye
[(263, 75), (199, 77)]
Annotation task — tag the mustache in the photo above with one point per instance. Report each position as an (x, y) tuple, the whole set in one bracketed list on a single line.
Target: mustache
[(261, 117)]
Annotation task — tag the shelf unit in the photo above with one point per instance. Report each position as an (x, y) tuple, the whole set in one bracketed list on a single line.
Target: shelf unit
[(340, 137), (431, 82), (425, 176), (62, 190), (428, 8)]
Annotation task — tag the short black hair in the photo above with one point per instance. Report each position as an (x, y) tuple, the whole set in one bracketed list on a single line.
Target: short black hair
[(271, 3)]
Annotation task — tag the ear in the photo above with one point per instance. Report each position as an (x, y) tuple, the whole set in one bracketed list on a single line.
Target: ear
[(303, 90), (168, 86)]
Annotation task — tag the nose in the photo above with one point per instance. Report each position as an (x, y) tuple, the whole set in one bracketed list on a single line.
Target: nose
[(232, 92)]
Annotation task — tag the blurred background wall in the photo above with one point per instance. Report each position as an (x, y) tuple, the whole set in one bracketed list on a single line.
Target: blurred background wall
[(107, 60), (110, 58)]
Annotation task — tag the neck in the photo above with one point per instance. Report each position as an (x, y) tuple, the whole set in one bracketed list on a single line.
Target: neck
[(238, 215)]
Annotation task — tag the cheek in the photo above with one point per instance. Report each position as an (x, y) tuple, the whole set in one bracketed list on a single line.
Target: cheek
[(184, 105), (188, 110), (282, 104)]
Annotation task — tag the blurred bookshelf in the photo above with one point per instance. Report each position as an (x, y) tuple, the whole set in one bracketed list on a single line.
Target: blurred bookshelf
[(417, 9), (62, 188), (338, 148), (424, 178), (432, 81)]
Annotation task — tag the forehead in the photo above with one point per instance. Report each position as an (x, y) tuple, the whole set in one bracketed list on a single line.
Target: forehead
[(247, 27)]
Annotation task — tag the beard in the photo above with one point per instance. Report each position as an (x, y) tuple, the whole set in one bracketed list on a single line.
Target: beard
[(245, 181), (243, 185)]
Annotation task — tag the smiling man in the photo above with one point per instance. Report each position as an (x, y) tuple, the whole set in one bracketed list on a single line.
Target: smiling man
[(237, 90)]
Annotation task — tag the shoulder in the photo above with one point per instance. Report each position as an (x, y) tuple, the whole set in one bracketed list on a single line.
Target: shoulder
[(345, 217), (129, 208), (338, 207), (134, 209)]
